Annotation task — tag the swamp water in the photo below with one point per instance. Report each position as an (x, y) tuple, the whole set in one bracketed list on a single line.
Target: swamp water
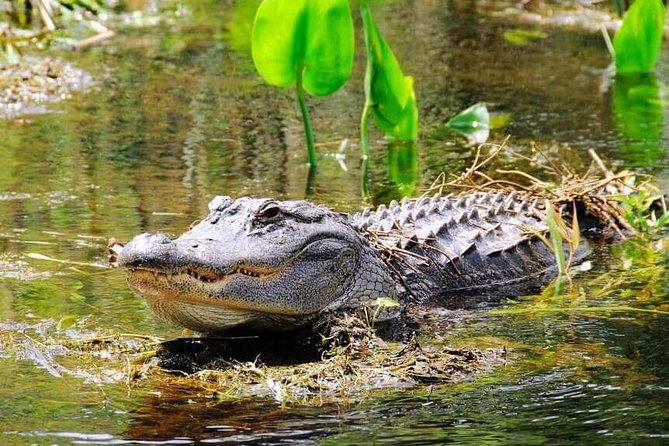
[(178, 115)]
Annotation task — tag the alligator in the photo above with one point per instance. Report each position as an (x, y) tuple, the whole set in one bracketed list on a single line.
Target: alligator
[(264, 264)]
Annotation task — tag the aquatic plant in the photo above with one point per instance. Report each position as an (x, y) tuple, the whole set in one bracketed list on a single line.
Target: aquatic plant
[(646, 211), (389, 94), (474, 123), (308, 44), (637, 44)]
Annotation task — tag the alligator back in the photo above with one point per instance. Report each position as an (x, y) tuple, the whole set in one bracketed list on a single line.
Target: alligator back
[(469, 243)]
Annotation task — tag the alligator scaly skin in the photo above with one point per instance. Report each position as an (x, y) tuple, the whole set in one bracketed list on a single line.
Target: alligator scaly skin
[(261, 263), (468, 243)]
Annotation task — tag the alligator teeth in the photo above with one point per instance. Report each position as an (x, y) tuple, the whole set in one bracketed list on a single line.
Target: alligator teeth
[(247, 272)]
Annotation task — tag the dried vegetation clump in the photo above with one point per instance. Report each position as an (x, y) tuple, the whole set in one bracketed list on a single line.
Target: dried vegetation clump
[(25, 87), (599, 192), (355, 361)]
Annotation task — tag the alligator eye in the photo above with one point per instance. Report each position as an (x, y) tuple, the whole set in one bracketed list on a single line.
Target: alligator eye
[(269, 214)]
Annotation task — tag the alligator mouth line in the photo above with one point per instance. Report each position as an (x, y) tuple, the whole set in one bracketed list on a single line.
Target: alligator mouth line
[(211, 277)]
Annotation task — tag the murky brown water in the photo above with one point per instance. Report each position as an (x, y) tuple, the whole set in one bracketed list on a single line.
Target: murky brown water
[(178, 115)]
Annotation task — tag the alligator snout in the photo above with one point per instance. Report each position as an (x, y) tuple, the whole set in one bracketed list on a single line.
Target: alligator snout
[(145, 250), (146, 239)]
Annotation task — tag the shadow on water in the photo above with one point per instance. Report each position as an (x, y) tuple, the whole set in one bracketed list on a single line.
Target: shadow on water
[(179, 115), (189, 355)]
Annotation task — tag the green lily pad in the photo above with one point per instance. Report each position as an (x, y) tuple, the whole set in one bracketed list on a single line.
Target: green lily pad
[(474, 123), (311, 38)]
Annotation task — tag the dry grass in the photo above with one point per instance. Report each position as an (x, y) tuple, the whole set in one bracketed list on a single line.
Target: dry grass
[(597, 191)]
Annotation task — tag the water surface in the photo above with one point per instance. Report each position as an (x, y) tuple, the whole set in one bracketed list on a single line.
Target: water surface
[(178, 115)]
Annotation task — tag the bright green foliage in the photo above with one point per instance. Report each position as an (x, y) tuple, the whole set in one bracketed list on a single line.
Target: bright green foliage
[(389, 93), (473, 122), (639, 213), (638, 43), (311, 38)]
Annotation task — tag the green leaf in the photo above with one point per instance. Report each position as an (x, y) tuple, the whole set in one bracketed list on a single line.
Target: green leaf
[(388, 91), (522, 37), (474, 123), (638, 42), (66, 322), (312, 36), (553, 221)]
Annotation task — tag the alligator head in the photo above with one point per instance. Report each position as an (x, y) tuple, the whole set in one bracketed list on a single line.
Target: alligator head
[(256, 263)]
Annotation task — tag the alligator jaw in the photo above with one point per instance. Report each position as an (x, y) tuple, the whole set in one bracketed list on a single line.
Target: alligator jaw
[(206, 276), (196, 285)]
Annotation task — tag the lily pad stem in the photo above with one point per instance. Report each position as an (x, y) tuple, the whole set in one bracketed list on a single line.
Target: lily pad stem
[(308, 131)]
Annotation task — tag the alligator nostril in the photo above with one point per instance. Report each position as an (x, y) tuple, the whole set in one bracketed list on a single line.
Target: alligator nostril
[(219, 203)]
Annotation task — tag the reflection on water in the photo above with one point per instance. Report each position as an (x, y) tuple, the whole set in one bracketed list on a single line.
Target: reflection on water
[(178, 115), (639, 103)]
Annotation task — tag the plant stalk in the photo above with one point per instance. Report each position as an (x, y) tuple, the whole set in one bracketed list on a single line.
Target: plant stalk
[(308, 130), (609, 44), (364, 145), (364, 119), (364, 132)]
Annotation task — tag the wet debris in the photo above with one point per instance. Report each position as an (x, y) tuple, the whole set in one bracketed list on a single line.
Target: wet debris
[(28, 86), (354, 362), (349, 363)]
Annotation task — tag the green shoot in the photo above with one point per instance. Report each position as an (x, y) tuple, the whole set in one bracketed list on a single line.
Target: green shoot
[(559, 233), (639, 213), (523, 37), (638, 42), (556, 241), (390, 97)]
